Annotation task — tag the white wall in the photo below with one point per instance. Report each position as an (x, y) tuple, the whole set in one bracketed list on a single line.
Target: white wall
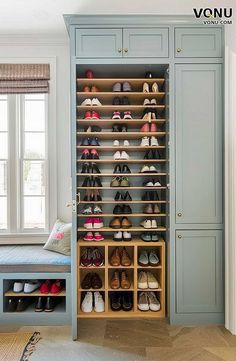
[(31, 47)]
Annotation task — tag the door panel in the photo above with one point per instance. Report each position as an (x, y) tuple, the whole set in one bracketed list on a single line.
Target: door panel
[(145, 43), (199, 271), (198, 42), (198, 144), (99, 43)]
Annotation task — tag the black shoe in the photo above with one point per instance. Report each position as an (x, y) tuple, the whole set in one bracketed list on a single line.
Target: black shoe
[(154, 196), (96, 129), (85, 156), (148, 154), (117, 209), (125, 101), (97, 197), (12, 304), (97, 182), (94, 142), (85, 141), (23, 303), (127, 303), (155, 154), (118, 196), (116, 128), (95, 168), (94, 156), (127, 197), (125, 169), (148, 75), (87, 182), (39, 306), (123, 128), (127, 209), (115, 301), (85, 168), (50, 304), (117, 169), (116, 101)]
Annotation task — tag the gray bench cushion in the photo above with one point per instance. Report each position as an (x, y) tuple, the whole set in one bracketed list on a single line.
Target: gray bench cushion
[(32, 258)]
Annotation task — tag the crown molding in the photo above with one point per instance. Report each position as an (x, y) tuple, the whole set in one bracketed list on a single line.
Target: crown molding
[(32, 40)]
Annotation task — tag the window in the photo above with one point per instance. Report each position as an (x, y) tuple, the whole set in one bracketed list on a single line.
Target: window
[(24, 163)]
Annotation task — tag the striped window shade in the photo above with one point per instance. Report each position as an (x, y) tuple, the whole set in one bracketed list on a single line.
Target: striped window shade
[(24, 78)]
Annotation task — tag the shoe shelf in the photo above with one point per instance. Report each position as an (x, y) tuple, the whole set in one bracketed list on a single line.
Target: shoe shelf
[(136, 246), (36, 293)]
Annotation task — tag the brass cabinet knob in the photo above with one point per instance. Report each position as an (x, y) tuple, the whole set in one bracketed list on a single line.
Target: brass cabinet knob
[(179, 214), (179, 236), (178, 50), (126, 50), (119, 50)]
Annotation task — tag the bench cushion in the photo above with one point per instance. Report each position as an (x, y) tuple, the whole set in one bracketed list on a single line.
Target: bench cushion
[(32, 258)]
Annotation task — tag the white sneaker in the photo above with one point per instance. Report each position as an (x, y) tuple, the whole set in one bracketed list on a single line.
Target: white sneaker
[(87, 210), (98, 302), (126, 143), (153, 302), (149, 184), (31, 286), (153, 102), (154, 223), (117, 155), (95, 101), (147, 223), (118, 236), (116, 143), (153, 258), (146, 101), (154, 141), (157, 184), (152, 281), (153, 169), (144, 142), (87, 304), (86, 102), (143, 259), (18, 286), (143, 304), (127, 236), (142, 280), (124, 155), (145, 169)]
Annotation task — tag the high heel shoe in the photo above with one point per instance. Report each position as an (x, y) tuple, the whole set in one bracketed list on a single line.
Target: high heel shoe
[(95, 168)]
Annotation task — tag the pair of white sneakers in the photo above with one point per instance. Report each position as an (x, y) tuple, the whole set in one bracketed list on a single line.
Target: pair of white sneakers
[(93, 301), (26, 286), (116, 143), (90, 102), (146, 141), (149, 223), (121, 155)]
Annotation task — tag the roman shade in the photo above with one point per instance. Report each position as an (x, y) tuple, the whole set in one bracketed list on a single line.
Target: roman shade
[(24, 78)]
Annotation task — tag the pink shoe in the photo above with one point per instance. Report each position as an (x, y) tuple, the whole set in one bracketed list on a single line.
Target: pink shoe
[(85, 154), (145, 128), (116, 115), (98, 237), (94, 154), (88, 223), (88, 236), (127, 115), (153, 128), (97, 223)]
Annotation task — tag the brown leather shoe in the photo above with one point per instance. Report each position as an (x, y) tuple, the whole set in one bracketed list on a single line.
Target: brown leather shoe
[(125, 282), (115, 257), (96, 281), (115, 223), (125, 258), (94, 89), (115, 281), (86, 283), (86, 89), (125, 223)]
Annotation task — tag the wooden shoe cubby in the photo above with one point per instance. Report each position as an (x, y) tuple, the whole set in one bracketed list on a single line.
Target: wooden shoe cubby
[(106, 164)]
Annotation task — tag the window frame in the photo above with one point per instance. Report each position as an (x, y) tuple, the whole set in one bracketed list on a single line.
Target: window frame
[(15, 234)]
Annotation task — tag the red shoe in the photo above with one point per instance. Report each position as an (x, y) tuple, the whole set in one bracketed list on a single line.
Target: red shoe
[(145, 128), (95, 115), (153, 128), (85, 154), (98, 259), (57, 287), (45, 287), (87, 115), (89, 74), (94, 154)]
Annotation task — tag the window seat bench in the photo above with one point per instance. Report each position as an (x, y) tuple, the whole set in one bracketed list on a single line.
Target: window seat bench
[(32, 258)]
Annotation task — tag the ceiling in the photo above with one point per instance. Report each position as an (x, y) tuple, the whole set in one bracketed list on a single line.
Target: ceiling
[(44, 17)]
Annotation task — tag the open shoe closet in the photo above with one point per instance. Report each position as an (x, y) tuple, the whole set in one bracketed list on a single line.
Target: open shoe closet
[(105, 76)]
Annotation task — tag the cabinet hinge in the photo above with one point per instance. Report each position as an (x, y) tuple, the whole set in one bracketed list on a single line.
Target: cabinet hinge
[(73, 206)]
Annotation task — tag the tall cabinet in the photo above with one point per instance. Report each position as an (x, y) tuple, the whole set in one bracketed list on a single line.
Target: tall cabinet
[(187, 60)]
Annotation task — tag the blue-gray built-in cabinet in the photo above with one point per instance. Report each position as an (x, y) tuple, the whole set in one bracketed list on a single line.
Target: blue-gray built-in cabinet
[(186, 60)]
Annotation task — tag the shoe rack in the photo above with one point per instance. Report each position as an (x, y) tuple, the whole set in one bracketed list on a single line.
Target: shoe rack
[(137, 189)]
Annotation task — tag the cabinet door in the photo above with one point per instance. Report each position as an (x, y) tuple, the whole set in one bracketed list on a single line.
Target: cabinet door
[(99, 43), (199, 271), (198, 42), (199, 150), (145, 43)]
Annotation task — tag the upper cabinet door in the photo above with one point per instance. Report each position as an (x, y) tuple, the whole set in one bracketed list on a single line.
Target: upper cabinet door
[(198, 42), (98, 43), (145, 43), (199, 149)]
